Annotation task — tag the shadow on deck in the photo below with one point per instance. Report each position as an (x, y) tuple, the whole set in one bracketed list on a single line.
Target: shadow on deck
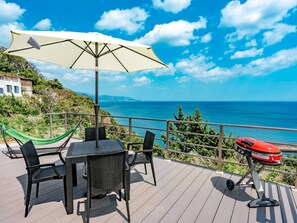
[(184, 193)]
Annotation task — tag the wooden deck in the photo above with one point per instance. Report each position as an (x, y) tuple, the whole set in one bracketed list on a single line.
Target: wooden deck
[(184, 193)]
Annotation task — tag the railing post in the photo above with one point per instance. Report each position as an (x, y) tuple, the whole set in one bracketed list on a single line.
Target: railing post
[(296, 179), (220, 159), (167, 140), (80, 126), (65, 124), (51, 125), (130, 129)]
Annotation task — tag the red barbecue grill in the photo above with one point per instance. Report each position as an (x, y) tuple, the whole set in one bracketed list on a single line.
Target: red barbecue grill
[(258, 154)]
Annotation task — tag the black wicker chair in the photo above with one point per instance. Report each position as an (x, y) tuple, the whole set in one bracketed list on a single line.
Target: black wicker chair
[(40, 172), (90, 133), (145, 155), (106, 174)]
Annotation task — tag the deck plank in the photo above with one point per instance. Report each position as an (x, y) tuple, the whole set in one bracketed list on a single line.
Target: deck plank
[(183, 202), (225, 211), (143, 199), (184, 193), (210, 207), (162, 200), (288, 206), (257, 214), (197, 203)]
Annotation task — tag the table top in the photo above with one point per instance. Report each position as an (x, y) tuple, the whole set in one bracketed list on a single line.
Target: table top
[(82, 149)]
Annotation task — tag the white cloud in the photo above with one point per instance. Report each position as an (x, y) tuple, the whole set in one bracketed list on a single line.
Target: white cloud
[(247, 53), (280, 60), (174, 6), (201, 67), (123, 88), (279, 32), (251, 43), (176, 33), (72, 77), (44, 24), (160, 72), (182, 79), (165, 71), (206, 38), (114, 77), (5, 32), (9, 12), (250, 17), (141, 81), (127, 20), (194, 65)]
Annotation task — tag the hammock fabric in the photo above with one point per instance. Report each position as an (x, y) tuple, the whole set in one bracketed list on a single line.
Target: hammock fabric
[(21, 138), (37, 141)]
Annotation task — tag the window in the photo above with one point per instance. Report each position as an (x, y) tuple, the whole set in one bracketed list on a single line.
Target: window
[(1, 90), (9, 89), (16, 89)]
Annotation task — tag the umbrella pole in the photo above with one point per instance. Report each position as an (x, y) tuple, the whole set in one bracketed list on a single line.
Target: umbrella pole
[(97, 94)]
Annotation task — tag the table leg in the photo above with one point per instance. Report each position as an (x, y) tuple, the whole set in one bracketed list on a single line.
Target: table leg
[(74, 175), (69, 188)]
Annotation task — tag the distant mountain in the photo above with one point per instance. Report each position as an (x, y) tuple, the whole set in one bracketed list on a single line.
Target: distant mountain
[(108, 98)]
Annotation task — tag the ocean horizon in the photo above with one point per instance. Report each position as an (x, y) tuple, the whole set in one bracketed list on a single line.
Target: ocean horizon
[(276, 114)]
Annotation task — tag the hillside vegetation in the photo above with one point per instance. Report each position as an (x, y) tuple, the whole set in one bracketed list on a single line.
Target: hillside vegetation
[(27, 113)]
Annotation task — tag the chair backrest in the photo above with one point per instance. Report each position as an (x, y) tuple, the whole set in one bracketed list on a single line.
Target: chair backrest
[(30, 156), (90, 133), (148, 142), (149, 139), (106, 173)]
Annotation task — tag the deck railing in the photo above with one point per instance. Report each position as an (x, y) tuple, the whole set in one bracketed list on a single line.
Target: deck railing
[(164, 136)]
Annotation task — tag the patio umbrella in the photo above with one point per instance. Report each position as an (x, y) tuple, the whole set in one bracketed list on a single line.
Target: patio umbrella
[(76, 50)]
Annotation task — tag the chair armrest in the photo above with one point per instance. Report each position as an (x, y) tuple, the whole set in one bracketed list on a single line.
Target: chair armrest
[(127, 166), (41, 165), (142, 151), (131, 144), (48, 154), (53, 153), (47, 165)]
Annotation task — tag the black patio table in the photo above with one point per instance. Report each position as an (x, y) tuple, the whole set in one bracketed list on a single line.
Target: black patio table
[(77, 153)]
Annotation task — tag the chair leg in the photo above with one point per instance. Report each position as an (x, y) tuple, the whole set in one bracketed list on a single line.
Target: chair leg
[(145, 168), (88, 207), (153, 170), (120, 195), (29, 187), (65, 196), (127, 204), (37, 189)]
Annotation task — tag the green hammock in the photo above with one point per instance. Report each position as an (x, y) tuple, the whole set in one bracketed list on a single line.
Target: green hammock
[(37, 141)]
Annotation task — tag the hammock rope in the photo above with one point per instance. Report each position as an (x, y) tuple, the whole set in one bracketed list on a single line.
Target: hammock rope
[(37, 141)]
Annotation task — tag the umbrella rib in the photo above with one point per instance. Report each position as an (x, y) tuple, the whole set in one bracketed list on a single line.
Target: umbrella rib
[(103, 54), (91, 53), (117, 59), (145, 56), (84, 50), (98, 55), (28, 48)]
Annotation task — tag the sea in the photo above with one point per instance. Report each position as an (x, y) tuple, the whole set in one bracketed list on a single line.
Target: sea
[(268, 114)]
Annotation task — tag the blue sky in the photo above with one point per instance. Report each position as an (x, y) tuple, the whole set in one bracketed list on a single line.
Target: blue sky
[(217, 50)]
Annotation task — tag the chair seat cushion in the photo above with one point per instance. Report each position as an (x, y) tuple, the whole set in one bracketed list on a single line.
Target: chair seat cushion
[(48, 173), (140, 158)]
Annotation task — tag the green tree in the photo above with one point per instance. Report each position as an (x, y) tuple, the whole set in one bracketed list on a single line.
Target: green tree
[(190, 129)]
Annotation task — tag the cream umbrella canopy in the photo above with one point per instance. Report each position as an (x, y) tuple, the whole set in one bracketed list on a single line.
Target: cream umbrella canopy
[(75, 50)]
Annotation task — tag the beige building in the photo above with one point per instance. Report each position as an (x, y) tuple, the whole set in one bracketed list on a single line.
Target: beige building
[(11, 84)]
